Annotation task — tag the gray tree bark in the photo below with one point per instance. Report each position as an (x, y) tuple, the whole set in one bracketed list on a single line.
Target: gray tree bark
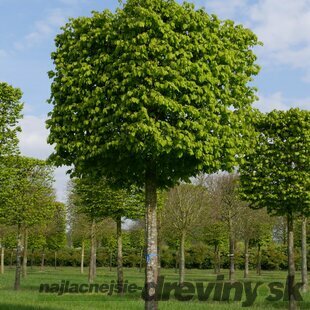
[(120, 275), (231, 251), (25, 253), (92, 260), (18, 258), (82, 257), (182, 259), (291, 263), (151, 269), (2, 259), (304, 270), (246, 258)]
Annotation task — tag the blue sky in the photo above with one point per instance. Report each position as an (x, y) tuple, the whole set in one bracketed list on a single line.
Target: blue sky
[(28, 28)]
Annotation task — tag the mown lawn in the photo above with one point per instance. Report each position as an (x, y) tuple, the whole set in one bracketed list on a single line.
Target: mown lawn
[(29, 297)]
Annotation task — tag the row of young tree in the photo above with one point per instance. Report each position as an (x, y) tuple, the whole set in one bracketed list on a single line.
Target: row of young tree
[(29, 212)]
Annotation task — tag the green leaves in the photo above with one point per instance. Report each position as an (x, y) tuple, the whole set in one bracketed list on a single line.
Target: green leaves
[(10, 112), (276, 172), (154, 82), (26, 192)]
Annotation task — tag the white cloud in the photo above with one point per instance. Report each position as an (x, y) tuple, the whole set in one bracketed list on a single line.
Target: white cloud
[(277, 101), (282, 25), (33, 143), (43, 29)]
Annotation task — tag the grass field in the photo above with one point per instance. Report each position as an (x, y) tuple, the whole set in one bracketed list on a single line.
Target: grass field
[(29, 297)]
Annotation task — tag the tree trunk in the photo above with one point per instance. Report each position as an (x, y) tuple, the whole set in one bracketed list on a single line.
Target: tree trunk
[(231, 251), (31, 260), (182, 259), (120, 276), (304, 271), (2, 259), (111, 258), (82, 257), (259, 260), (291, 263), (141, 260), (92, 261), (25, 253), (18, 258), (11, 259), (217, 268), (42, 260), (246, 257), (151, 269), (55, 259)]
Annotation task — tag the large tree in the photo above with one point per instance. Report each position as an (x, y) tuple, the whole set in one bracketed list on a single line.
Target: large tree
[(149, 95), (276, 173)]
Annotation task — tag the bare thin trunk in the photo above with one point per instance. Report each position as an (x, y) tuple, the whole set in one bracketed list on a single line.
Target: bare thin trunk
[(92, 261), (141, 260), (111, 257), (31, 260), (151, 269), (291, 263), (25, 253), (246, 257), (120, 275), (182, 259), (259, 260), (82, 257), (11, 259), (217, 263), (55, 259), (42, 261), (18, 258), (2, 259), (231, 251), (304, 271)]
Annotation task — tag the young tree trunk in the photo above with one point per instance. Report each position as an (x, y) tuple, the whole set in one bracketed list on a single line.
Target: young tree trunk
[(2, 259), (176, 261), (55, 259), (291, 263), (18, 258), (304, 270), (141, 260), (82, 257), (31, 260), (25, 253), (151, 267), (259, 260), (42, 261), (217, 268), (111, 258), (120, 276), (182, 259), (92, 261), (11, 259), (231, 251), (246, 257)]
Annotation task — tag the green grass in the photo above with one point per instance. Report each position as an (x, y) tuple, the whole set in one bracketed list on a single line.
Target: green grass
[(29, 298)]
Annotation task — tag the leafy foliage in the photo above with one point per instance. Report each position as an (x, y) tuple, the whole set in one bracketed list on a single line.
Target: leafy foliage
[(156, 85), (276, 173), (10, 112)]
